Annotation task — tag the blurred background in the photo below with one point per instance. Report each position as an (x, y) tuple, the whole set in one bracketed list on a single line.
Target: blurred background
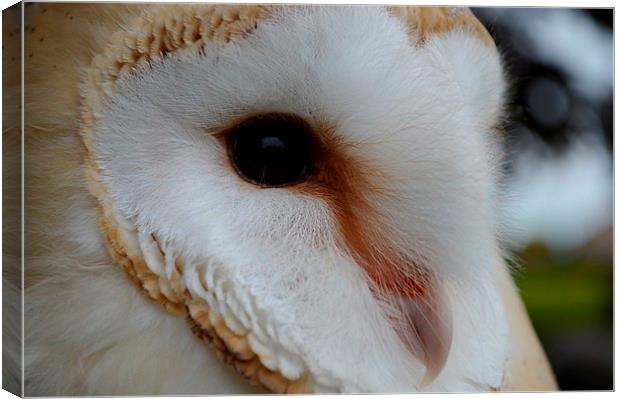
[(558, 214)]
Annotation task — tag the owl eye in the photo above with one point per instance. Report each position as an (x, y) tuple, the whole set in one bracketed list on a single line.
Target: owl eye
[(271, 150)]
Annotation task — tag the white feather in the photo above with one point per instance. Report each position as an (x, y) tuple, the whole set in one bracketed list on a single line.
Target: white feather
[(423, 115)]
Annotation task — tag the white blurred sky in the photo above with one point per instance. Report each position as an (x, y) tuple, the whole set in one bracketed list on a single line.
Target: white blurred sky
[(562, 199)]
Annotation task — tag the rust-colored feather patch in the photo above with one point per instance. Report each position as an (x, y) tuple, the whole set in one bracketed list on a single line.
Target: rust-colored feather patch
[(414, 304)]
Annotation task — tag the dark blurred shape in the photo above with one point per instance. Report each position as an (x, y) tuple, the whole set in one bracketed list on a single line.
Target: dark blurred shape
[(605, 17), (606, 112), (547, 103), (543, 109), (582, 359)]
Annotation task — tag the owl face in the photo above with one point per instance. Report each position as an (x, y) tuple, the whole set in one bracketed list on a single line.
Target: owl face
[(318, 196)]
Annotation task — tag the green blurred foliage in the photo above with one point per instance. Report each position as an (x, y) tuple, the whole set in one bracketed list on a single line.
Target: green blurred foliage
[(565, 291)]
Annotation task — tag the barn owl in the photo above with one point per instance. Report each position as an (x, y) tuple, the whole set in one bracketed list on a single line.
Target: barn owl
[(237, 199)]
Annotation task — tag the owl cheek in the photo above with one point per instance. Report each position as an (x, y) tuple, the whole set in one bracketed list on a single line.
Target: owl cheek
[(409, 293)]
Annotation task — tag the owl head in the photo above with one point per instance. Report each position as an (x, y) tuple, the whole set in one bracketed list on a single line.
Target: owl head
[(313, 187)]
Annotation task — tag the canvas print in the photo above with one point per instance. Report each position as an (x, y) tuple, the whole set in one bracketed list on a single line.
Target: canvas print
[(235, 198)]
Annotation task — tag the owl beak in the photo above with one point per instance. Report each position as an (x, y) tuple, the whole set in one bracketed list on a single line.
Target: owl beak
[(427, 332), (422, 320)]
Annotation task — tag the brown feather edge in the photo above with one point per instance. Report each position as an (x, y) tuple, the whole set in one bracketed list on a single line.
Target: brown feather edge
[(161, 31), (425, 22)]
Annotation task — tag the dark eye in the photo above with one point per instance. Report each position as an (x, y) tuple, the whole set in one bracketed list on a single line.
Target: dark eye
[(271, 150)]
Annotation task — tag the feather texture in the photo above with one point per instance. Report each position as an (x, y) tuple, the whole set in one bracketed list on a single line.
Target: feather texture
[(122, 104)]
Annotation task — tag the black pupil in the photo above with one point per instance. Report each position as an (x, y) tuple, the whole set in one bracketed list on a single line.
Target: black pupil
[(271, 150)]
